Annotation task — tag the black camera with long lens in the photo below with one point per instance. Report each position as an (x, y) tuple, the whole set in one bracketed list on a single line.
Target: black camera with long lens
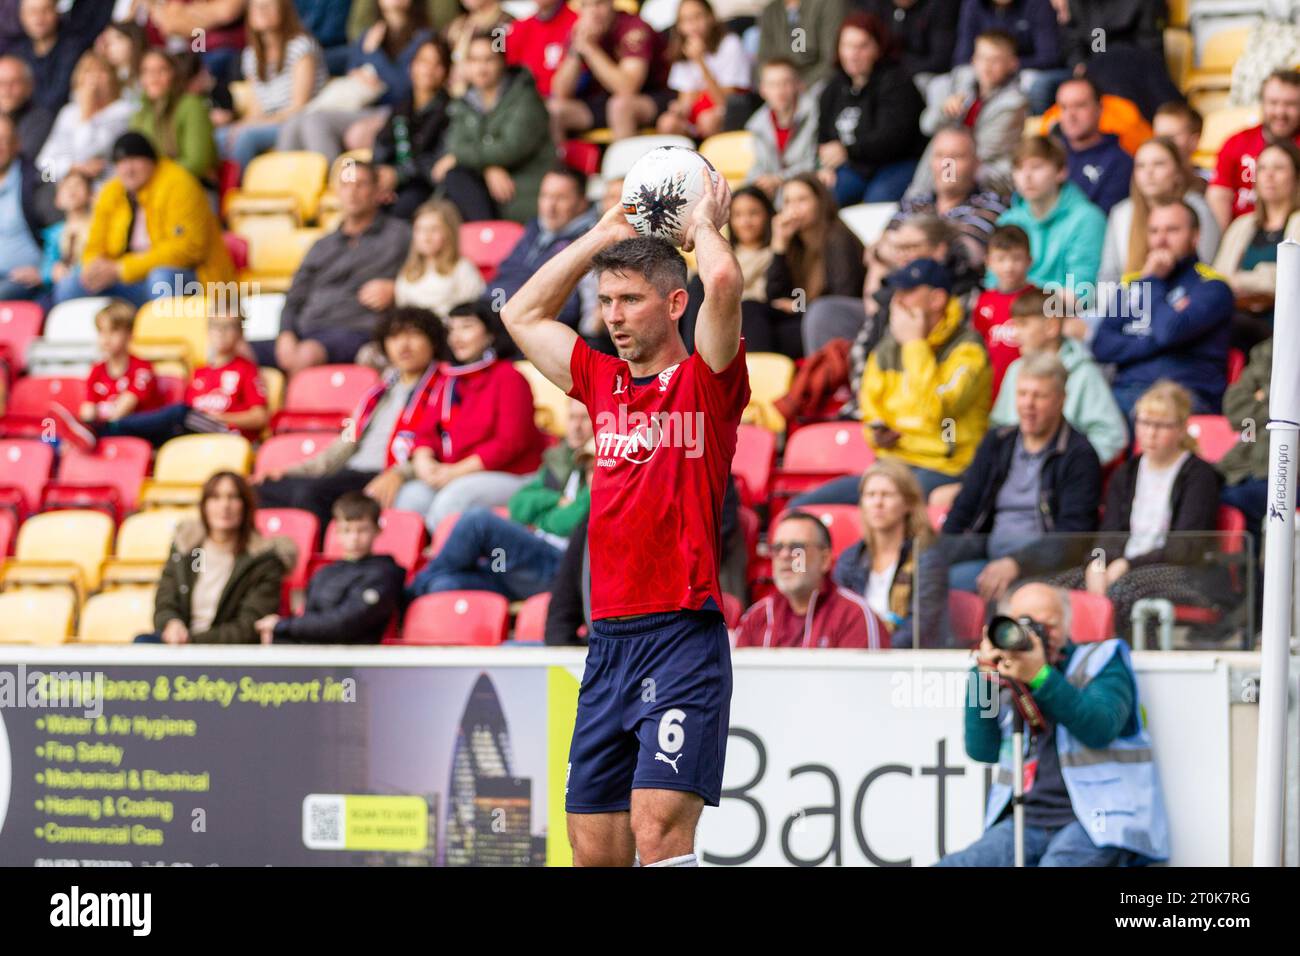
[(1015, 634)]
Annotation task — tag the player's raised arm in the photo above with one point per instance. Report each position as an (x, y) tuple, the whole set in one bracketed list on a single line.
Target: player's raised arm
[(530, 314), (717, 329)]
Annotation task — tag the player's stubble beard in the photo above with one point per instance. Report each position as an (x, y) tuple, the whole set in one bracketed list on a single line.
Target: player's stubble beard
[(645, 345)]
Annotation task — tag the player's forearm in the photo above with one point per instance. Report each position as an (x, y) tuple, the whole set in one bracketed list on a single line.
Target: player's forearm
[(543, 296), (717, 328)]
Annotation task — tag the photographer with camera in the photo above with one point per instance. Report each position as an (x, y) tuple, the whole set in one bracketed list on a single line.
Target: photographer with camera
[(1091, 794)]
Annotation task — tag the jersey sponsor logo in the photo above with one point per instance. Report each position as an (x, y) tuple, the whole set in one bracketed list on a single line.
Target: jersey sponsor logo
[(671, 761), (552, 55), (1004, 334), (635, 436), (229, 381)]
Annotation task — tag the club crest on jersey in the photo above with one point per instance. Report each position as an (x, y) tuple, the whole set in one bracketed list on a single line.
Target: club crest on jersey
[(229, 381), (665, 377)]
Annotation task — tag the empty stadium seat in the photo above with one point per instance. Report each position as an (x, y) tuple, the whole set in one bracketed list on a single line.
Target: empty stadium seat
[(273, 259), (752, 464), (289, 182), (1233, 540), (1092, 617), (1236, 365), (25, 465), (281, 452), (401, 536), (172, 328), (117, 617), (621, 156), (530, 622), (844, 522), (732, 154), (486, 244), (867, 220), (273, 383), (61, 547), (262, 316), (20, 325), (582, 156), (550, 404), (8, 531), (770, 375), (34, 616), (452, 618), (108, 478), (1214, 436), (1219, 126), (819, 452), (68, 338), (143, 543), (29, 403), (320, 398), (301, 527), (185, 463), (1218, 54), (967, 613)]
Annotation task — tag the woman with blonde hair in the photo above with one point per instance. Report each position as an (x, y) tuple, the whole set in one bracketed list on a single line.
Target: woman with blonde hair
[(1160, 175), (1161, 507), (893, 566), (435, 275), (86, 128)]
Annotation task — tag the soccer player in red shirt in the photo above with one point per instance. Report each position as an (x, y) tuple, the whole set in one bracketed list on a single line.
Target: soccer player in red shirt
[(1231, 192), (651, 730)]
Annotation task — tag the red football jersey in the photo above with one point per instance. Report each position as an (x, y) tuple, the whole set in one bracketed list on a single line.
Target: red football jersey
[(663, 451), (138, 379), (233, 387), (992, 320), (539, 45), (1235, 168)]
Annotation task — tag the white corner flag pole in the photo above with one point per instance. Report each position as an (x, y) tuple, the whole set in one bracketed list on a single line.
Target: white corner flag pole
[(1279, 558)]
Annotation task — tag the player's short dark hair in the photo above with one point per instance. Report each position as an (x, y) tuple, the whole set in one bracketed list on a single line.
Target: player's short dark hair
[(1008, 237), (356, 506), (408, 317), (1184, 111), (656, 259), (823, 535), (578, 179)]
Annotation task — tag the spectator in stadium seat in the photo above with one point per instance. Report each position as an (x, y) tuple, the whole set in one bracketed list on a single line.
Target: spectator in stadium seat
[(615, 74), (1156, 503), (21, 224), (351, 600), (894, 567), (220, 23), (1089, 405), (478, 444), (1231, 192), (222, 576), (804, 32), (344, 283), (808, 609), (1032, 24), (1181, 124), (751, 237), (867, 118), (176, 122), (1065, 230), (1245, 466), (925, 31), (64, 241), (435, 275), (51, 51), (122, 44), (411, 140), (1098, 164), (1159, 176), (327, 21), (86, 128), (480, 16), (982, 96), (285, 68), (1247, 259), (563, 214), (1105, 809), (1121, 45), (518, 556), (178, 242), (925, 393), (813, 255), (1170, 320), (784, 129), (373, 453), (1031, 490), (708, 66), (32, 120), (991, 313), (379, 64), (539, 43), (498, 144)]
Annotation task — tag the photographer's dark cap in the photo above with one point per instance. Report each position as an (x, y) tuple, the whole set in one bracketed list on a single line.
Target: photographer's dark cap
[(920, 272), (134, 146)]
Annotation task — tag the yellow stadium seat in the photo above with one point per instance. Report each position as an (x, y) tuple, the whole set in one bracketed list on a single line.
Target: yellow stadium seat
[(770, 375), (280, 182), (185, 463), (116, 617), (31, 616), (273, 382), (63, 548), (1219, 126), (174, 329), (550, 404), (1179, 52), (143, 543), (274, 259), (1178, 11), (1221, 51), (732, 154), (241, 96)]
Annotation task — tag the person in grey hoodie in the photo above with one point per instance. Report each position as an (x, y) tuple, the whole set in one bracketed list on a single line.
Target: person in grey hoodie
[(788, 113)]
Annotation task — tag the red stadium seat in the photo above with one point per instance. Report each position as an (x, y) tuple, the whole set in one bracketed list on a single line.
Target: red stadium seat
[(732, 610), (1231, 525), (1214, 435), (749, 526), (108, 479), (443, 531), (8, 532), (938, 515), (401, 536), (1092, 617), (530, 622), (25, 465), (816, 453), (487, 243), (967, 612), (20, 323), (237, 246), (171, 389), (844, 522), (30, 400), (457, 618), (320, 398), (582, 156), (301, 527), (752, 464), (1236, 364), (281, 452)]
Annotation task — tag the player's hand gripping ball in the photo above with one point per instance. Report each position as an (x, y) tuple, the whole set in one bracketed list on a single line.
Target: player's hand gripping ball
[(662, 188)]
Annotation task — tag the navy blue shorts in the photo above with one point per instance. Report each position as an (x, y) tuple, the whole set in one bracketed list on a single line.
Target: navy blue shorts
[(653, 710)]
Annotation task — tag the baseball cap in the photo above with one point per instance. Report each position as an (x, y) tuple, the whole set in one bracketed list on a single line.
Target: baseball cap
[(921, 272)]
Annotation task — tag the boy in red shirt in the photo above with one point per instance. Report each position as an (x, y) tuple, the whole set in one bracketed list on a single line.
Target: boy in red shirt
[(1009, 262)]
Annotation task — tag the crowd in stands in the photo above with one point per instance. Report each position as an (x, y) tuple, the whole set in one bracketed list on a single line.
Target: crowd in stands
[(1048, 297)]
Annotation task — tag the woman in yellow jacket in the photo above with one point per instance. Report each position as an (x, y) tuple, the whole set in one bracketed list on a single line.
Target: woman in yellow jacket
[(152, 233)]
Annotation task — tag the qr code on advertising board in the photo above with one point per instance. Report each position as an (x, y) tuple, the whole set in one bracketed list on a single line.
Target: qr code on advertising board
[(322, 821)]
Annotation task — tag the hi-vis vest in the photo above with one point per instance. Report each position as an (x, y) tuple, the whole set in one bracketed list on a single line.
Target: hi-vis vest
[(1115, 791)]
